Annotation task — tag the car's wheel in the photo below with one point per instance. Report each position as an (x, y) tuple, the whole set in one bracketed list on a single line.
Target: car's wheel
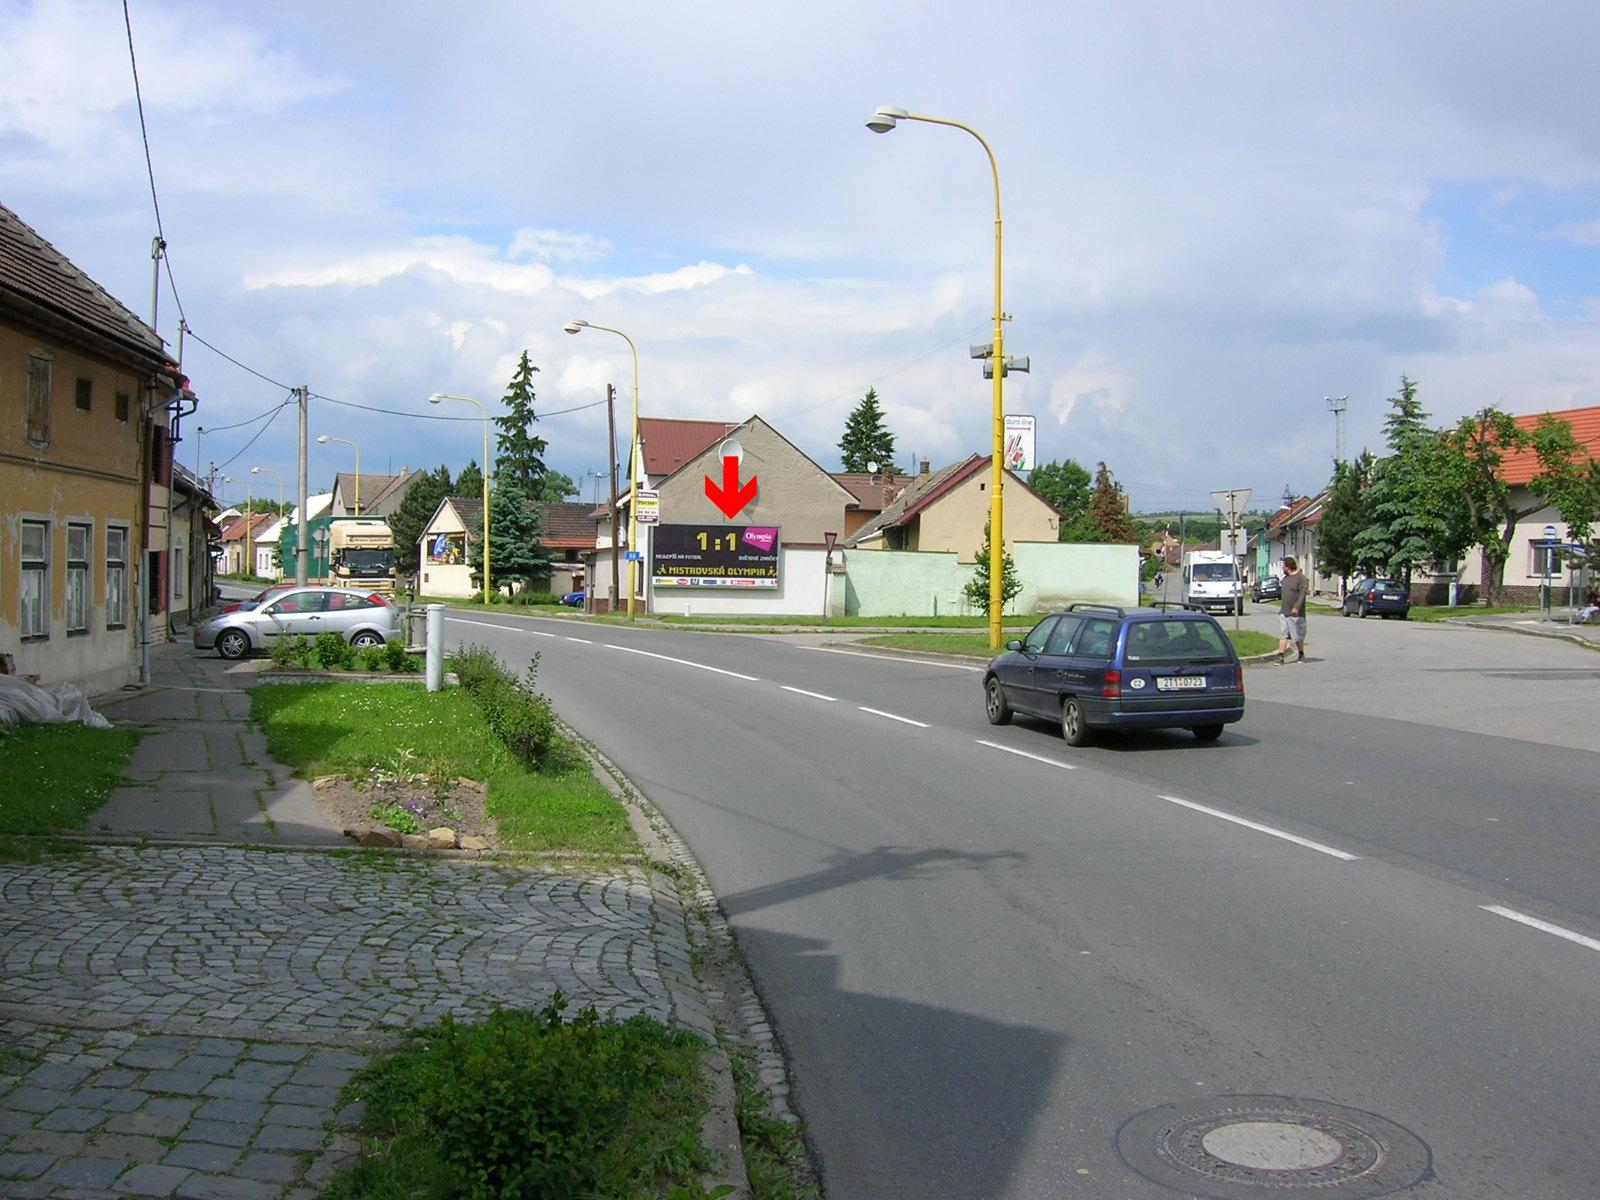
[(1074, 729), (994, 703), (232, 643), (365, 640), (1207, 733), (1363, 611), (1344, 610)]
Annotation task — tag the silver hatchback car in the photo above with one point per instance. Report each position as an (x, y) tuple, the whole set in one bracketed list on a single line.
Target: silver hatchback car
[(361, 618)]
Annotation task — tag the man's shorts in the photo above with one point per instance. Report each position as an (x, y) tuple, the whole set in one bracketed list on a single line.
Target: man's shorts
[(1291, 629)]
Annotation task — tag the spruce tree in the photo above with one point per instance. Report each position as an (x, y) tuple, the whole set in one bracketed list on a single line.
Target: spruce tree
[(1347, 512), (516, 557), (408, 521), (865, 439), (521, 453), (470, 482), (1407, 493), (977, 589)]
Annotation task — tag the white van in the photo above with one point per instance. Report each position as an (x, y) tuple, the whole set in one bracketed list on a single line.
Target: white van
[(1211, 581)]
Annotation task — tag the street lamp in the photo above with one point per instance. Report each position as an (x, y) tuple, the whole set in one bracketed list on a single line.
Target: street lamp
[(436, 398), (882, 121), (324, 438), (633, 463), (247, 565), (279, 474)]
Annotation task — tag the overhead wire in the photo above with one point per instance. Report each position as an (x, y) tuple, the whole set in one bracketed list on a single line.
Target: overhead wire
[(251, 421), (397, 412), (254, 438), (149, 164)]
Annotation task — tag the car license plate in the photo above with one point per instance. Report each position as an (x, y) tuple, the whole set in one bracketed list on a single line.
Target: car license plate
[(1174, 683)]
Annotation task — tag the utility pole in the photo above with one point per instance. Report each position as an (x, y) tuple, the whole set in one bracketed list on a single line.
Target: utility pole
[(1337, 405), (302, 546), (616, 569)]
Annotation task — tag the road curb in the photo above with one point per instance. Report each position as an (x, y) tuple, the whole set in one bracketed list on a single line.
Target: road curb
[(695, 931), (1538, 633)]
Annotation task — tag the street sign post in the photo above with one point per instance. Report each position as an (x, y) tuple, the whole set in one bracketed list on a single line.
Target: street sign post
[(649, 507)]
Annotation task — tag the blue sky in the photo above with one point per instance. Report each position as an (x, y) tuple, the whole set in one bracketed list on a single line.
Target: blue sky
[(1216, 215)]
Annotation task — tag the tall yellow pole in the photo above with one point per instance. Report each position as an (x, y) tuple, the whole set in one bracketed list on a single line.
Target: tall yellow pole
[(485, 412), (633, 469), (997, 473)]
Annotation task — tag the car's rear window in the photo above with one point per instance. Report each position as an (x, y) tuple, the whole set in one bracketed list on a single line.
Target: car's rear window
[(1166, 643), (1386, 585)]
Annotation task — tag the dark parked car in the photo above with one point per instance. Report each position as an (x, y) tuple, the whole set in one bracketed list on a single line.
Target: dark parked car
[(1098, 667), (1385, 597), (1270, 588)]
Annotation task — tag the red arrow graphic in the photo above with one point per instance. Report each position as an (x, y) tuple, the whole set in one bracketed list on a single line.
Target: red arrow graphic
[(730, 497)]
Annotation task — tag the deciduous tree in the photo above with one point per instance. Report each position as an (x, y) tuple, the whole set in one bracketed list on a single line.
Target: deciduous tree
[(1067, 486), (1346, 513), (1108, 509)]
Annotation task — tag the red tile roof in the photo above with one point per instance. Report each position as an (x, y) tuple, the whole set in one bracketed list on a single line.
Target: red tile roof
[(567, 526), (1521, 466), (873, 493), (669, 443), (235, 530)]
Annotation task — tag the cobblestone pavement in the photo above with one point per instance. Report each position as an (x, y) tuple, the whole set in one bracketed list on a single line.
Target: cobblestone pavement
[(178, 1021)]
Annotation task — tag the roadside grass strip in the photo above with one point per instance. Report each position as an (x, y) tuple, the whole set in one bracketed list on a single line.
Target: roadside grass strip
[(532, 1104), (53, 776), (1342, 855), (1512, 914), (351, 729)]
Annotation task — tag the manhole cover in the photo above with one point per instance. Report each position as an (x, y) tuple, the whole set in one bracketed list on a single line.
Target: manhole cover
[(1249, 1147)]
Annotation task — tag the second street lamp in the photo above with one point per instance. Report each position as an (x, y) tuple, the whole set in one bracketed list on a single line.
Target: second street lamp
[(882, 121), (436, 398), (324, 438), (633, 464)]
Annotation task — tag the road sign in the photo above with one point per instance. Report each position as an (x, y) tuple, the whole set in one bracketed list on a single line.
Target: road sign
[(649, 507), (634, 556), (1550, 533), (1021, 449), (1232, 501)]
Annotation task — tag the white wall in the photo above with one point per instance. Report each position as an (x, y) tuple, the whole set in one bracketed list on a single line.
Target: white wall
[(799, 571)]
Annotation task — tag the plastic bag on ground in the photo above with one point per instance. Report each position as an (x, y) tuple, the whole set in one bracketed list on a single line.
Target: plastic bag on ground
[(24, 703)]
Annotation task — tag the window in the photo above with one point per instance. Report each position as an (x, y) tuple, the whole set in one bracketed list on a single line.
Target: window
[(178, 573), (116, 576), (39, 368), (35, 579), (1544, 559), (1039, 635), (85, 394), (1061, 639), (123, 403), (1097, 640), (78, 538)]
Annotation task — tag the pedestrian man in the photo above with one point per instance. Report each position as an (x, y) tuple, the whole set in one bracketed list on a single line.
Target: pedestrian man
[(1292, 611)]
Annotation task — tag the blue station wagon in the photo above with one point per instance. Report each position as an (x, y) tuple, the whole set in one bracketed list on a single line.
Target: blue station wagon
[(1098, 667)]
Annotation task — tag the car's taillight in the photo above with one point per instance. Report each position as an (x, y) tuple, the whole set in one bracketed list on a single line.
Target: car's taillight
[(1238, 677), (380, 598), (1111, 684), (1372, 595)]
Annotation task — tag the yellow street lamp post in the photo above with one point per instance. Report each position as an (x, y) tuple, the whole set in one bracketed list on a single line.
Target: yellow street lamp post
[(324, 438), (633, 464), (883, 121), (435, 399)]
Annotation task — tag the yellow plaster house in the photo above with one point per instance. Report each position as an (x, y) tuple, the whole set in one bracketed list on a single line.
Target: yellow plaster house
[(85, 458), (947, 509)]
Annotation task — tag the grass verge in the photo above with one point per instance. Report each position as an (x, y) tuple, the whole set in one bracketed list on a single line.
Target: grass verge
[(976, 645), (349, 728), (37, 849), (54, 776), (532, 1104), (1444, 612)]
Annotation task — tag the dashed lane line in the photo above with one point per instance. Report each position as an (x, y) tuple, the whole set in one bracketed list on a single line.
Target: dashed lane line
[(921, 662), (1024, 754), (585, 641), (505, 628), (683, 662), (1512, 914), (813, 695), (1342, 855), (878, 712)]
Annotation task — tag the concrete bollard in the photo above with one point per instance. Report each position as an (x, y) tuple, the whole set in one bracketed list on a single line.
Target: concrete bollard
[(435, 645)]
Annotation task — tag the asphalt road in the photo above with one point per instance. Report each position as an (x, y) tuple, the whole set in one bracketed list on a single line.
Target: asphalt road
[(985, 951)]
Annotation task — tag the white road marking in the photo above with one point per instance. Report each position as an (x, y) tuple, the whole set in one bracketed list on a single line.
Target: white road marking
[(682, 662), (921, 662), (505, 628), (1277, 833), (878, 712), (813, 695), (1523, 918), (1024, 754), (585, 641)]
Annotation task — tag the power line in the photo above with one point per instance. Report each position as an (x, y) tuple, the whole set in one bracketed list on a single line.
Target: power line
[(264, 378), (253, 440), (149, 165), (251, 421), (396, 412)]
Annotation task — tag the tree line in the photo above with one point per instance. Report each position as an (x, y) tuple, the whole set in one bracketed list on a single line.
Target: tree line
[(1440, 492)]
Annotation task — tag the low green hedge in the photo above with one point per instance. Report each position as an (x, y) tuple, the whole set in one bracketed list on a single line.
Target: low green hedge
[(330, 652), (512, 707)]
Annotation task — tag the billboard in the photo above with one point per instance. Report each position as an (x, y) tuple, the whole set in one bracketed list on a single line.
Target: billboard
[(722, 556), (1021, 452)]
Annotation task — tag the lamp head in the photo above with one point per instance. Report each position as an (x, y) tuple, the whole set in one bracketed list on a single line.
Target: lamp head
[(436, 398), (885, 118), (255, 470), (574, 326), (322, 439)]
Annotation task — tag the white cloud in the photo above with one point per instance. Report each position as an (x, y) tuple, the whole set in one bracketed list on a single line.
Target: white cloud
[(558, 245)]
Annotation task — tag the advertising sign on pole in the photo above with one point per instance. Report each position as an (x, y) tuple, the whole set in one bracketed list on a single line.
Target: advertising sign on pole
[(649, 507), (1021, 450), (721, 556)]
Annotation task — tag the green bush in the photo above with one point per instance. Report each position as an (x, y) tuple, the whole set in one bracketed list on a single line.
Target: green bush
[(531, 1105), (395, 657), (537, 598), (371, 658), (294, 652), (521, 717), (333, 653)]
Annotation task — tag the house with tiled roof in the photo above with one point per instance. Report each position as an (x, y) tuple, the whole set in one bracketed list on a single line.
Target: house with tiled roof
[(240, 540), (873, 493), (373, 495), (566, 533), (1292, 530), (85, 466), (946, 510), (1534, 558)]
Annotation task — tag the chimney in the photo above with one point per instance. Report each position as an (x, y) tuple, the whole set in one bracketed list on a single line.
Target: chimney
[(924, 467)]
